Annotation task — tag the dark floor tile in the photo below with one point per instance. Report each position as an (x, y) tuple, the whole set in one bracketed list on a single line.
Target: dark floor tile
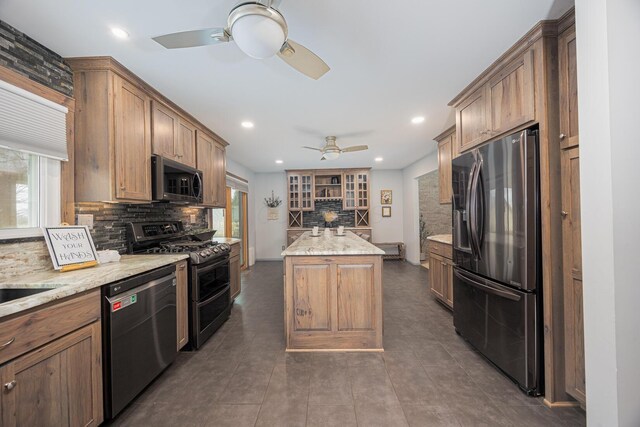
[(246, 386), (160, 414), (380, 414), (331, 416), (282, 413), (530, 416), (429, 415), (330, 386), (371, 384), (479, 415), (230, 415)]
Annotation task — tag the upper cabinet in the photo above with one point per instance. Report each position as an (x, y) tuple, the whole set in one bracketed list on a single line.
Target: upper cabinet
[(211, 161), (356, 190), (504, 101), (172, 136), (119, 122), (300, 191), (568, 74), (446, 141)]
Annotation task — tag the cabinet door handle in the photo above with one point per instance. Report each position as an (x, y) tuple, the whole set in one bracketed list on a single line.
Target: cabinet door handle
[(562, 136), (10, 385), (181, 267), (8, 343), (122, 187), (564, 214)]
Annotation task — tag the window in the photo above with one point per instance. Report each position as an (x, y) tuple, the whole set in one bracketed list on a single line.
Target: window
[(218, 222), (29, 193)]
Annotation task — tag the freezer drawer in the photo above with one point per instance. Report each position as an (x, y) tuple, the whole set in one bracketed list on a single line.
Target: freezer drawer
[(501, 323)]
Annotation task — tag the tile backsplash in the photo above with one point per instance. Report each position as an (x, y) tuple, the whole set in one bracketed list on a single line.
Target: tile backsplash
[(315, 218)]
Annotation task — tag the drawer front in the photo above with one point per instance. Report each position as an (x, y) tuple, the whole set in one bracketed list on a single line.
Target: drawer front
[(31, 330), (441, 249), (235, 250)]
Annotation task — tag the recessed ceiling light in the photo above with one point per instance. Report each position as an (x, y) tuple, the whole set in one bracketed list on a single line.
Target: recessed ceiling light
[(119, 33), (378, 159), (279, 162), (417, 120), (247, 125)]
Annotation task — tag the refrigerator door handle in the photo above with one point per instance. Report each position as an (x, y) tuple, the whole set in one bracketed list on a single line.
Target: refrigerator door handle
[(480, 207), (469, 208), (486, 287), (473, 211)]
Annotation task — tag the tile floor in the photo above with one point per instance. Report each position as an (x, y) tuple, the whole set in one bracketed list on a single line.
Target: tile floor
[(427, 376)]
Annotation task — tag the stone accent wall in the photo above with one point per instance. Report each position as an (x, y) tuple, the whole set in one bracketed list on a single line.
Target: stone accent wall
[(110, 219), (436, 216), (26, 56), (312, 219)]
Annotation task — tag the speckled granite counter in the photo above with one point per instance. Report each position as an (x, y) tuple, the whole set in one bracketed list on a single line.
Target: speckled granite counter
[(349, 244), (74, 282), (442, 238)]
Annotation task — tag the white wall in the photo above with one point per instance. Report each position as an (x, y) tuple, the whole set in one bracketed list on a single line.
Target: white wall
[(243, 172), (387, 229), (608, 36), (270, 235), (411, 207)]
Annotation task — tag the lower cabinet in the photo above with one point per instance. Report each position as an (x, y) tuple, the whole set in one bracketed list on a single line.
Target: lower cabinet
[(234, 270), (182, 303), (58, 383), (441, 278)]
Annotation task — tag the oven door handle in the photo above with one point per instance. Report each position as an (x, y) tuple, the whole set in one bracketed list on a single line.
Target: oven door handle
[(214, 296), (486, 287)]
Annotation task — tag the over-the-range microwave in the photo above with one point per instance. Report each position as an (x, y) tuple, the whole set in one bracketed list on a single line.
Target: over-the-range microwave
[(175, 182)]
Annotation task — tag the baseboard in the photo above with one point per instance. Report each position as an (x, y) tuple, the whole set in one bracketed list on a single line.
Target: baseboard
[(269, 259), (562, 404)]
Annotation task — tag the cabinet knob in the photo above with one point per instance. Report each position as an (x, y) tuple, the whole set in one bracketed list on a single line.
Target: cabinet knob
[(10, 385), (564, 214), (562, 136), (122, 187)]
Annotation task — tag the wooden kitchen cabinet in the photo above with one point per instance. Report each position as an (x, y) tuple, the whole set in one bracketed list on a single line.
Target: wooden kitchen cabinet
[(211, 161), (446, 142), (234, 270), (568, 74), (441, 272), (182, 303), (53, 370), (503, 103), (172, 136), (119, 121), (300, 191)]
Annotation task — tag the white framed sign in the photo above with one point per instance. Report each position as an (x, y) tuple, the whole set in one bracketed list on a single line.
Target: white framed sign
[(70, 246)]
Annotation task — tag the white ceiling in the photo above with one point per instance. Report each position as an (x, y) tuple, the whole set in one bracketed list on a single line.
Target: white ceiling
[(390, 61)]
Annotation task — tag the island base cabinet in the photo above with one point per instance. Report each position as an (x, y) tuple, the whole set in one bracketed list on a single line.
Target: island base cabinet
[(333, 303), (57, 384)]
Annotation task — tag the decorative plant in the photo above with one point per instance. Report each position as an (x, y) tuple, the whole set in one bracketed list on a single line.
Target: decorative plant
[(273, 201), (329, 216), (423, 235)]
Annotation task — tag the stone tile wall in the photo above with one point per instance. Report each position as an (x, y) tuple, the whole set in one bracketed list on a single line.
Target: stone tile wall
[(312, 219), (436, 216), (26, 56)]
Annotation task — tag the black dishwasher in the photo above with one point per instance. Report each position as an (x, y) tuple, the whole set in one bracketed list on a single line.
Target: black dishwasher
[(139, 334)]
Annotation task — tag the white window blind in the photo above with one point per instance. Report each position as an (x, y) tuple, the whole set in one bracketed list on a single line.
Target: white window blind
[(237, 184), (31, 123)]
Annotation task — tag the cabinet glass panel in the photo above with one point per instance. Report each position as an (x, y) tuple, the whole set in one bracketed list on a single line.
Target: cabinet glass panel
[(363, 191), (306, 192), (294, 192), (349, 191)]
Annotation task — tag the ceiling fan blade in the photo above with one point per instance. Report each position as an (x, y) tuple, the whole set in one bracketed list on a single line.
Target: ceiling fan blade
[(303, 60), (354, 148), (194, 38), (323, 158), (312, 148)]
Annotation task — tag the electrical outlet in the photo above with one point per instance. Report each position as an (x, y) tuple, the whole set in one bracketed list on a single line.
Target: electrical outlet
[(86, 219), (193, 219), (283, 247)]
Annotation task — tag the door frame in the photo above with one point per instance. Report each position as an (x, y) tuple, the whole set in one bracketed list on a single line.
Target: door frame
[(245, 224)]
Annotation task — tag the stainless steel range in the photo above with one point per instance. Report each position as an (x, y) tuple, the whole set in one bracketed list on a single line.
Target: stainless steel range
[(209, 278)]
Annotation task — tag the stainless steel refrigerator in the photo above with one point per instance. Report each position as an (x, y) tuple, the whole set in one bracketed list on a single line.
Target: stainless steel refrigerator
[(496, 241)]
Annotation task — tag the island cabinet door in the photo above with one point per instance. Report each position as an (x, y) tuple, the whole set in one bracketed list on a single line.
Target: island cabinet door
[(312, 295), (356, 302)]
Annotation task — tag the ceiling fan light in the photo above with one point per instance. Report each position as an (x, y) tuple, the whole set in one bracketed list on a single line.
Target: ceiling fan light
[(331, 155), (258, 36)]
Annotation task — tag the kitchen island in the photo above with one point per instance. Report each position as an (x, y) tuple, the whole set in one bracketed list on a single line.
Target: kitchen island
[(333, 294)]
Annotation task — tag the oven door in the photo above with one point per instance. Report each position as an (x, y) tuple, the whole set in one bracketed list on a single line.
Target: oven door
[(209, 279), (208, 315)]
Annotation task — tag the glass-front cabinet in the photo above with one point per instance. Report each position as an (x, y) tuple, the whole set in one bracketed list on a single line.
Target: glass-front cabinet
[(294, 192), (356, 190), (306, 192), (349, 201), (363, 190)]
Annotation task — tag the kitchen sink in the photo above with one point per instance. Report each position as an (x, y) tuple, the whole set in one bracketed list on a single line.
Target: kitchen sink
[(11, 294)]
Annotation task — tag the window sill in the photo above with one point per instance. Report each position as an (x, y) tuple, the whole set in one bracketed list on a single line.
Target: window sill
[(20, 233)]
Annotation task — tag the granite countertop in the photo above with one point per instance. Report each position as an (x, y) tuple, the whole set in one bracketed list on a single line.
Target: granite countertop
[(74, 282), (229, 240), (441, 238), (349, 244)]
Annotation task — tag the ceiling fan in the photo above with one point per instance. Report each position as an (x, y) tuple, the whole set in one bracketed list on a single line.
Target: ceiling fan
[(260, 31), (331, 151)]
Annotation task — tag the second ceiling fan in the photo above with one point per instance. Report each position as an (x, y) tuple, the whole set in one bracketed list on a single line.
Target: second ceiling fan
[(260, 31), (331, 150)]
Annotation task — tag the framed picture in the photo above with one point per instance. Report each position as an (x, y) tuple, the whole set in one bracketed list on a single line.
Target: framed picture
[(386, 197), (70, 246), (386, 211)]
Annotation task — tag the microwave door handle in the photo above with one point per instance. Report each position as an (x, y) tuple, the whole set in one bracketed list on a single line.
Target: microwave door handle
[(197, 176), (488, 288)]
